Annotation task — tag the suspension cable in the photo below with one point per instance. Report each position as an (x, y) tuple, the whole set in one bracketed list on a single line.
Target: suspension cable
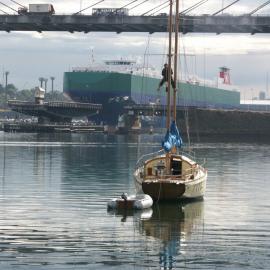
[(155, 7), (221, 10), (259, 7), (198, 4), (139, 4), (159, 10), (128, 4), (17, 3), (88, 7), (8, 7), (4, 12)]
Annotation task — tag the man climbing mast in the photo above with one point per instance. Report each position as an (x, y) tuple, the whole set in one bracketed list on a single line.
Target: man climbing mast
[(165, 77)]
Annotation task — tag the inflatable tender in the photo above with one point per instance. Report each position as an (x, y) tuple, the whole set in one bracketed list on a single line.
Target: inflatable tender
[(139, 201)]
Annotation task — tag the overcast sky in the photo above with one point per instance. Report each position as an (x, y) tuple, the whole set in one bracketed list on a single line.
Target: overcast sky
[(30, 55)]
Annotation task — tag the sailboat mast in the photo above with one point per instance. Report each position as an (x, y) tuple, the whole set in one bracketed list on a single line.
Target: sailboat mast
[(169, 68), (175, 57)]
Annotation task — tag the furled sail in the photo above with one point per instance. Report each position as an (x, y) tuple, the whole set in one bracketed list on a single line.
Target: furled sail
[(172, 138)]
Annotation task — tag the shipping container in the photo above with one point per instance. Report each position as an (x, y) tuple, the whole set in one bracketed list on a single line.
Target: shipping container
[(41, 8)]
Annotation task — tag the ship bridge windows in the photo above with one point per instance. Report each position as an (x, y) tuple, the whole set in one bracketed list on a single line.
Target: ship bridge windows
[(120, 63)]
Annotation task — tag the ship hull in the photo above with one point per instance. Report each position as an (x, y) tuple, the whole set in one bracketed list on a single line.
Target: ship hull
[(115, 90)]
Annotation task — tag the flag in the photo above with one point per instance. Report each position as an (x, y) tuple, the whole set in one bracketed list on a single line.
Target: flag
[(172, 138)]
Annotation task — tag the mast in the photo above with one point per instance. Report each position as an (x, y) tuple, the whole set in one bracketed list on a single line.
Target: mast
[(175, 57), (169, 68), (168, 87)]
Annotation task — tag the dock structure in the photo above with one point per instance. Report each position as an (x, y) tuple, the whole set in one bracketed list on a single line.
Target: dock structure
[(90, 23), (55, 111), (209, 121)]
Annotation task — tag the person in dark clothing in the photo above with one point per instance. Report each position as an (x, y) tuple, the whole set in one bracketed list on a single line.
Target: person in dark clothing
[(165, 76)]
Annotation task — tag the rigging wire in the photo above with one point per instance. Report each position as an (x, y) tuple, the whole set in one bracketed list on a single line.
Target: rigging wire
[(155, 7), (221, 10), (8, 6), (198, 4), (144, 64), (259, 7), (76, 13)]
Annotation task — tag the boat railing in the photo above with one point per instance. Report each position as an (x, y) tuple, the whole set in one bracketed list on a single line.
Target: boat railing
[(192, 155), (189, 154), (143, 158)]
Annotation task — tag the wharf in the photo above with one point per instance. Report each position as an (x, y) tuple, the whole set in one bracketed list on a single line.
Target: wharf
[(48, 128)]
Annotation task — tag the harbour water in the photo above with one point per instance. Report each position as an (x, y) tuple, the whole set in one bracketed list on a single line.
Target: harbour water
[(53, 214)]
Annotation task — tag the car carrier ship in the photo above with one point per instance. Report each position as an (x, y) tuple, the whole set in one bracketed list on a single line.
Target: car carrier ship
[(117, 83)]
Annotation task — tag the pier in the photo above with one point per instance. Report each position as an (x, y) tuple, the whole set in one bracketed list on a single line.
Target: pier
[(208, 121), (55, 111)]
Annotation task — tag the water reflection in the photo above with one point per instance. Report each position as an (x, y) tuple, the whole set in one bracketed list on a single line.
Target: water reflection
[(171, 225)]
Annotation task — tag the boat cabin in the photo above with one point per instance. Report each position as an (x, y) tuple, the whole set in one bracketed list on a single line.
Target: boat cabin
[(180, 168)]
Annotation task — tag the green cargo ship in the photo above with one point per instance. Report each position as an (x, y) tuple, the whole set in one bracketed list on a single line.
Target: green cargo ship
[(119, 83)]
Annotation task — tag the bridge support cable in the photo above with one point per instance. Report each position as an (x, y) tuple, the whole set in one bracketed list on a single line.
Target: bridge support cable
[(221, 10), (128, 4), (17, 3), (198, 4), (8, 7), (164, 3), (125, 5), (76, 13), (139, 4), (4, 12), (152, 14), (259, 7)]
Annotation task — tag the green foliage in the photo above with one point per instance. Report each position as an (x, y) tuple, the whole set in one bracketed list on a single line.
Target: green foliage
[(26, 95)]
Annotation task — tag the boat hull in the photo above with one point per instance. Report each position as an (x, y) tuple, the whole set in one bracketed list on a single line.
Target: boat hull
[(169, 188), (163, 190)]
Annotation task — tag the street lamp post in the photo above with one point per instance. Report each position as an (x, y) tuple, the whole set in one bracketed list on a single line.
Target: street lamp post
[(6, 75), (52, 78), (41, 80), (46, 81)]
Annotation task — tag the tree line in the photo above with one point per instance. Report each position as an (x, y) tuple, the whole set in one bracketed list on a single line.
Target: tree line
[(12, 92)]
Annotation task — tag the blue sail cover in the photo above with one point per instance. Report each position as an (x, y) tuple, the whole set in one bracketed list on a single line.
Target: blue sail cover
[(172, 138)]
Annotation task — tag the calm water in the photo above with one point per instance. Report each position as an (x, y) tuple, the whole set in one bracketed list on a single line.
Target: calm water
[(53, 215)]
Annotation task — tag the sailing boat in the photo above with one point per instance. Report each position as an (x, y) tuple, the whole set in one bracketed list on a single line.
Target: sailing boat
[(170, 174)]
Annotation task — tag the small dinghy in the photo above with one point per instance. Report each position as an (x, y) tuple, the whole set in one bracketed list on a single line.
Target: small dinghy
[(139, 202)]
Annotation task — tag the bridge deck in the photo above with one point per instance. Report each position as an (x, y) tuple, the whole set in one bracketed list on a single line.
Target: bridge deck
[(87, 23)]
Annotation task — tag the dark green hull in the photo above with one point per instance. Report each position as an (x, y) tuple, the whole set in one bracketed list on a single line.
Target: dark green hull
[(106, 88)]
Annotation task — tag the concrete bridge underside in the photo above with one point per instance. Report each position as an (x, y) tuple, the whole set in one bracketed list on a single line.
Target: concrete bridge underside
[(88, 23)]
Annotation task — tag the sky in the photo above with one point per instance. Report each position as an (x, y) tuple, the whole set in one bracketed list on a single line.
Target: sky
[(30, 55)]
